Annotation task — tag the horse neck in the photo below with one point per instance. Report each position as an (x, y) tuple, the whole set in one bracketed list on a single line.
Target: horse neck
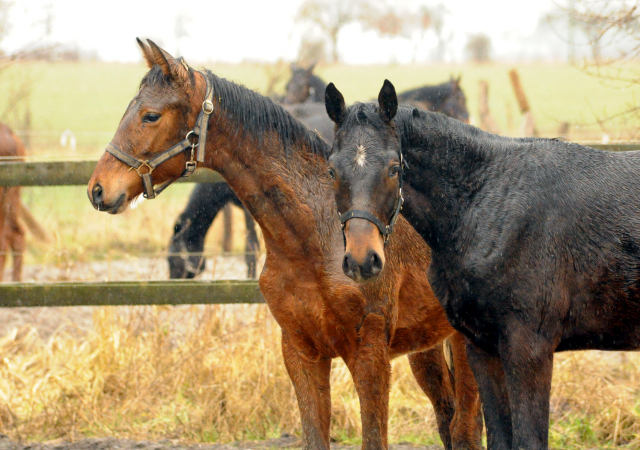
[(446, 168), (286, 190)]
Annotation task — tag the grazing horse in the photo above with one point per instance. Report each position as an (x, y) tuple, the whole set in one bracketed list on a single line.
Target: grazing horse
[(186, 259), (304, 86), (278, 170), (535, 243)]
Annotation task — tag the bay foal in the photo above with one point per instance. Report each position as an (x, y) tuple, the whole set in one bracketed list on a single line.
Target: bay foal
[(277, 168)]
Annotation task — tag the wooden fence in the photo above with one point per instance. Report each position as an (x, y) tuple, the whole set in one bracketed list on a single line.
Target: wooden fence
[(174, 292)]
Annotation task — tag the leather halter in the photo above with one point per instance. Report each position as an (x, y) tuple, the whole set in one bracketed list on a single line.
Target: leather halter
[(194, 138), (385, 230)]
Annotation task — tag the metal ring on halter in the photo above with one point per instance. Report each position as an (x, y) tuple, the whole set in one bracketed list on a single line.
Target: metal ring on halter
[(193, 144), (143, 164)]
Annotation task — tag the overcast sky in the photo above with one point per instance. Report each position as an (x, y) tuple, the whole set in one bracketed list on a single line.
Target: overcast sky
[(238, 30)]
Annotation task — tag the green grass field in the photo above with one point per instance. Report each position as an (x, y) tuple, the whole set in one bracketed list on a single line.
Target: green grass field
[(90, 98)]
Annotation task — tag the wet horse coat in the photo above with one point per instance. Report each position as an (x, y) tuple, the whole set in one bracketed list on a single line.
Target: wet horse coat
[(277, 169), (535, 244)]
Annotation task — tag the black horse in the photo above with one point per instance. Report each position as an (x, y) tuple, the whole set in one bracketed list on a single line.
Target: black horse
[(186, 259), (447, 98), (304, 86), (535, 243)]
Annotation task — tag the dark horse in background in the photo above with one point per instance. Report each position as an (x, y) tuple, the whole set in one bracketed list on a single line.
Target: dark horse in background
[(187, 243), (304, 86), (277, 168), (535, 243)]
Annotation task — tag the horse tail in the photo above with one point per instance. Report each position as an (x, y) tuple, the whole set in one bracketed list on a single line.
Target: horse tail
[(32, 224)]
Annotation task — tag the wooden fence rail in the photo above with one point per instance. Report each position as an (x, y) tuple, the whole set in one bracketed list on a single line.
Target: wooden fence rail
[(174, 292), (67, 173)]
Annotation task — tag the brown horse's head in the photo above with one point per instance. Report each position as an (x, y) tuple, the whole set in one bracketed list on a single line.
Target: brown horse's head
[(161, 114), (365, 165)]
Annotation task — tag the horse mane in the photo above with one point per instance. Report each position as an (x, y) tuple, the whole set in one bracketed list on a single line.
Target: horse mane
[(255, 114)]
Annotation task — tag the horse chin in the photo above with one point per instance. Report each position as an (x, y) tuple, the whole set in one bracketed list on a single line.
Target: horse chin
[(118, 207)]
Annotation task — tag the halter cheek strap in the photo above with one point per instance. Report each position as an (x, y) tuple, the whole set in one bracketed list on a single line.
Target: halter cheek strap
[(195, 138)]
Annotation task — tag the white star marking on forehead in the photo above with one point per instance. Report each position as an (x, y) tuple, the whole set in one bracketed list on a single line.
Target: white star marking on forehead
[(361, 155)]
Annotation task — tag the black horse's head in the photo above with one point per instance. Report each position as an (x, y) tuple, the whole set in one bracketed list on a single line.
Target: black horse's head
[(299, 85), (455, 105), (186, 259), (366, 166)]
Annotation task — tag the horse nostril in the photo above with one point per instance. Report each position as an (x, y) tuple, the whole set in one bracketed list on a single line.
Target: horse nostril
[(97, 194), (348, 265), (375, 263)]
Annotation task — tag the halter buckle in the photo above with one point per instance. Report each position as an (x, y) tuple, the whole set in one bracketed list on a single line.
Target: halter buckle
[(207, 107)]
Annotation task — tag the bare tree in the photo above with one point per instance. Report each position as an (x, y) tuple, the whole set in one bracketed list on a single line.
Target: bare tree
[(479, 47), (181, 29), (613, 25), (330, 16)]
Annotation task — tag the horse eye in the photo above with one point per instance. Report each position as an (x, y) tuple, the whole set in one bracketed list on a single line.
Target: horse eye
[(395, 170), (332, 174), (151, 117)]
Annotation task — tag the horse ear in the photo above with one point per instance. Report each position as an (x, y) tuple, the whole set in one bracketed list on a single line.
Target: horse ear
[(310, 69), (146, 53), (334, 102), (294, 66), (170, 66), (387, 101)]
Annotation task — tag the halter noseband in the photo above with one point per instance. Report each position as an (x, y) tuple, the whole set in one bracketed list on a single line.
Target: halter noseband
[(385, 230), (194, 138)]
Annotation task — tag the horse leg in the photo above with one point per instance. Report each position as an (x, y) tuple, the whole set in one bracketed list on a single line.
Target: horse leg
[(252, 245), (466, 427), (490, 378), (312, 386), (17, 247), (371, 372), (527, 359), (431, 372), (16, 235)]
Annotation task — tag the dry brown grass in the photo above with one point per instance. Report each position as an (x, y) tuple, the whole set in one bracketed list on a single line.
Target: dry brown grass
[(215, 373)]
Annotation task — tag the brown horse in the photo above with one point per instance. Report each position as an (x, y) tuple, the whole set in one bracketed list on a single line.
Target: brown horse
[(12, 212), (278, 170)]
